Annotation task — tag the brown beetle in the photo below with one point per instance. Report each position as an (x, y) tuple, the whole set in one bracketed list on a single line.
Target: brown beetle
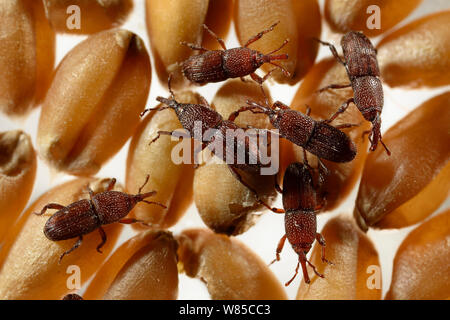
[(300, 203), (190, 114), (72, 296), (317, 137), (219, 65), (360, 61), (84, 216)]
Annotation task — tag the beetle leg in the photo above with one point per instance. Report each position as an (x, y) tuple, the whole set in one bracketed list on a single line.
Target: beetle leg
[(274, 210), (277, 186), (143, 185), (286, 73), (103, 235), (111, 184), (308, 110), (235, 114), (152, 202), (341, 109), (76, 245), (197, 150), (50, 206), (203, 101), (332, 49), (280, 105), (132, 220), (279, 249), (259, 35), (221, 42), (236, 174), (323, 173), (260, 81), (170, 133), (315, 270), (322, 242), (295, 274), (334, 86), (152, 109), (193, 46)]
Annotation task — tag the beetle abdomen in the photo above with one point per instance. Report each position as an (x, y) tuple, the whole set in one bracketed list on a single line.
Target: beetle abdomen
[(329, 143), (76, 219), (205, 67)]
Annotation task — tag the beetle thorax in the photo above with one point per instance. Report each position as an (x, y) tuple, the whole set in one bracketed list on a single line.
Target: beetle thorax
[(111, 206)]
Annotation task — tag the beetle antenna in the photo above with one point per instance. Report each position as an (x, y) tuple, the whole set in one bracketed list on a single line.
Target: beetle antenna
[(385, 148), (286, 73), (156, 108), (285, 42)]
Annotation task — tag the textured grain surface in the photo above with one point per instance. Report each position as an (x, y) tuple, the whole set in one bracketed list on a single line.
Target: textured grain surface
[(346, 15), (101, 84), (142, 268), (418, 54), (17, 174), (95, 15), (422, 263), (229, 269), (353, 254), (406, 187), (26, 55), (170, 22)]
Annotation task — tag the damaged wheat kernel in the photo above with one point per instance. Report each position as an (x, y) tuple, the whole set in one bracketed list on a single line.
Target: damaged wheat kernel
[(29, 261), (101, 84), (173, 182), (229, 269), (355, 273), (27, 52), (231, 210), (86, 16), (143, 268), (408, 186), (17, 174)]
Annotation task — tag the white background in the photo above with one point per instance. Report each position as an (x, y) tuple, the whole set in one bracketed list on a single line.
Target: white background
[(263, 237)]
